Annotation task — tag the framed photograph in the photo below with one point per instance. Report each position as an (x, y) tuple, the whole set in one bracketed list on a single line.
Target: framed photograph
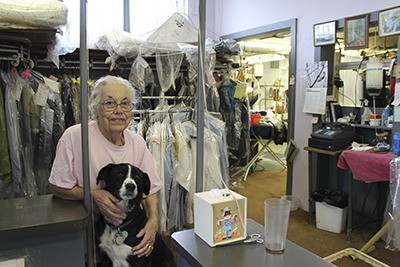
[(356, 32), (389, 21), (325, 33)]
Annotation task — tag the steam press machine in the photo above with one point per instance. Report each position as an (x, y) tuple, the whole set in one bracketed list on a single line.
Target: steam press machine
[(333, 136)]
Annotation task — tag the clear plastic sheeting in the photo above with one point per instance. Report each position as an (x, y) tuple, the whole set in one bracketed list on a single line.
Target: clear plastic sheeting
[(393, 207), (168, 65), (19, 142), (225, 47), (192, 56), (185, 168), (218, 127), (22, 14), (156, 146), (120, 44), (177, 29), (5, 164), (34, 124), (141, 73)]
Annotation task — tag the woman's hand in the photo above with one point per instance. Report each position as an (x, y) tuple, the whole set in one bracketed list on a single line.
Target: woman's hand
[(106, 203), (145, 247)]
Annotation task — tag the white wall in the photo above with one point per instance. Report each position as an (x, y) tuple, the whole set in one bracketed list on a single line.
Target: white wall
[(231, 16)]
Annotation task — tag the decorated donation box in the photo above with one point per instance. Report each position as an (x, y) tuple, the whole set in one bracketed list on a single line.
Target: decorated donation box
[(220, 216)]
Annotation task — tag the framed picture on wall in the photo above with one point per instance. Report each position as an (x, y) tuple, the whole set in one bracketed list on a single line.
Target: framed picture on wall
[(389, 21), (325, 33), (356, 32)]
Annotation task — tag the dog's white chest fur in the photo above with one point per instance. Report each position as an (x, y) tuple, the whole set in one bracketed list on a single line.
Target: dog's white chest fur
[(117, 253)]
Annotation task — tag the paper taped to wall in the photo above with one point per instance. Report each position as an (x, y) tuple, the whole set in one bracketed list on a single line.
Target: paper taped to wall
[(315, 101)]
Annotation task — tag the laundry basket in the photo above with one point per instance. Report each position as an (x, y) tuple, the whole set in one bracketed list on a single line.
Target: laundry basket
[(350, 257)]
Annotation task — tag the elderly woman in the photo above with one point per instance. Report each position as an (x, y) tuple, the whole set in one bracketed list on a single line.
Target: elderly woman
[(109, 142)]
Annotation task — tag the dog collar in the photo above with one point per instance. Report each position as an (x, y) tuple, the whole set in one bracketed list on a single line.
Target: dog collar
[(120, 236), (121, 226)]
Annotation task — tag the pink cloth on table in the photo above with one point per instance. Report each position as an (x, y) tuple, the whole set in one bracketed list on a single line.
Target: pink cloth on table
[(367, 166)]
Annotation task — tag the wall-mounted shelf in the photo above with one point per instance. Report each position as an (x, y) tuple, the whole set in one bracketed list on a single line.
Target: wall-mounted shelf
[(366, 126), (356, 65)]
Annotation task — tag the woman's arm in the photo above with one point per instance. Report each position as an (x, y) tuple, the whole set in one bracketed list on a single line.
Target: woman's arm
[(75, 193), (103, 199), (145, 247)]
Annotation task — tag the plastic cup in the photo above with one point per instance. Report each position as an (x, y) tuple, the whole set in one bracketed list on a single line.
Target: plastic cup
[(276, 220)]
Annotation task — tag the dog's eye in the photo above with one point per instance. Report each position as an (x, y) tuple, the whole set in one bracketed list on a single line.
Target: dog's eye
[(120, 175)]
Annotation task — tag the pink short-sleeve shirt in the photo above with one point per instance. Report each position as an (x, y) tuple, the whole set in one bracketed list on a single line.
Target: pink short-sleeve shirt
[(67, 170)]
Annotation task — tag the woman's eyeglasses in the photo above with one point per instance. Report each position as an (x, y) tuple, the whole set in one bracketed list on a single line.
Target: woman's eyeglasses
[(110, 105)]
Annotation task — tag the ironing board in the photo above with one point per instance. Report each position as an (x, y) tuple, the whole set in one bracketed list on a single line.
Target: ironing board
[(263, 134)]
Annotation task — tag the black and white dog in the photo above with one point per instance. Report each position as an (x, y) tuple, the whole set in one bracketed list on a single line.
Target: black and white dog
[(115, 242)]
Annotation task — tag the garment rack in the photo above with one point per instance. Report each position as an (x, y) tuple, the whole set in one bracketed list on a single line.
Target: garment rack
[(152, 111), (121, 64), (16, 56)]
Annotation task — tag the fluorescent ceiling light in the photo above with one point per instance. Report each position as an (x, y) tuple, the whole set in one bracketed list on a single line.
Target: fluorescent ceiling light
[(264, 58), (265, 45)]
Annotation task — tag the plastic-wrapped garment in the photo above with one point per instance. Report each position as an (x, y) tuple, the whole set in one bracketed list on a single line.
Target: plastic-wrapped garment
[(120, 44), (155, 145), (28, 109), (168, 66), (138, 127), (393, 207), (44, 150), (192, 56), (176, 29), (218, 127), (171, 185), (32, 14), (229, 47), (212, 99), (141, 74), (5, 164), (231, 112), (185, 168), (159, 143), (185, 137), (66, 98), (48, 124), (212, 177), (75, 98), (24, 184)]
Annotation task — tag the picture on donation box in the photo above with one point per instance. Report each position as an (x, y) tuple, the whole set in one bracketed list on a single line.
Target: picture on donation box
[(228, 224)]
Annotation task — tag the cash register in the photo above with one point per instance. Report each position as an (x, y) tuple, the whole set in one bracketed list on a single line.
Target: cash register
[(333, 136)]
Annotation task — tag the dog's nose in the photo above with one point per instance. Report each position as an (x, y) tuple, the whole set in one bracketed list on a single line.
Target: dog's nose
[(130, 186)]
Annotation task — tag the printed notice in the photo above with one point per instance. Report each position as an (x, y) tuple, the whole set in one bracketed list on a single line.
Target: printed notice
[(396, 100), (315, 101)]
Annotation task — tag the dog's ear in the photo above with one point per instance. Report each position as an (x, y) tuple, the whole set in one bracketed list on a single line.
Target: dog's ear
[(104, 173), (146, 184)]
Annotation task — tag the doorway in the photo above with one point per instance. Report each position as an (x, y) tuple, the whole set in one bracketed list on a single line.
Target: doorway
[(274, 43)]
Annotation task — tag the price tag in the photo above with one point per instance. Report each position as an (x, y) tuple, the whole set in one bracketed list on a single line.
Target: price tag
[(41, 95), (17, 90)]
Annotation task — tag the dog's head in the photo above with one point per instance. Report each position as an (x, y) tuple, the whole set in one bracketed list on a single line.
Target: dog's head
[(124, 181)]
